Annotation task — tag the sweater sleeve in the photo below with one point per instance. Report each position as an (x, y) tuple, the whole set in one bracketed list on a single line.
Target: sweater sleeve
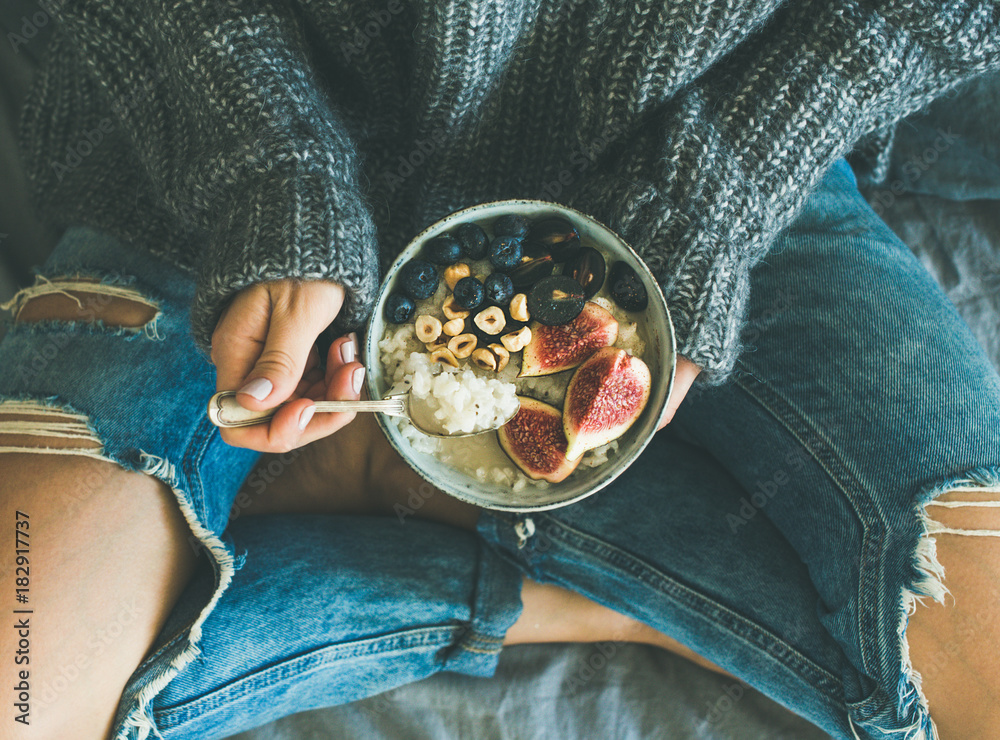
[(235, 141), (705, 185)]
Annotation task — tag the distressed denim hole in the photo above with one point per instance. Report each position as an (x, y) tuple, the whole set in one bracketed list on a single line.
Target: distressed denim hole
[(30, 426), (81, 299), (81, 306)]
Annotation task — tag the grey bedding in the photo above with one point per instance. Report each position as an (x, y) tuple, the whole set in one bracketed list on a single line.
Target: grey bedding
[(601, 691)]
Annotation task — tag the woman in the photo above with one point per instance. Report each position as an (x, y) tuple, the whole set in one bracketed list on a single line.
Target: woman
[(228, 169)]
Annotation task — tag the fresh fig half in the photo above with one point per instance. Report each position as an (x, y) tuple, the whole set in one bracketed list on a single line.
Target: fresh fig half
[(553, 349), (604, 397), (535, 442)]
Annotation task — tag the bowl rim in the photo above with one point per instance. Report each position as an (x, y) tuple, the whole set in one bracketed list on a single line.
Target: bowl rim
[(372, 360)]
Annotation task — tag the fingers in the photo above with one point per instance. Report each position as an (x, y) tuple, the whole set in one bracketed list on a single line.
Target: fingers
[(685, 375), (344, 384), (239, 337), (264, 343), (281, 364), (297, 423)]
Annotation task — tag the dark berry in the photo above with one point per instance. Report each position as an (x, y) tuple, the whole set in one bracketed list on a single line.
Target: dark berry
[(505, 252), (556, 300), (469, 293), (626, 288), (530, 271), (418, 279), (398, 308), (443, 250), (553, 236), (510, 225), (499, 289), (586, 265), (473, 240)]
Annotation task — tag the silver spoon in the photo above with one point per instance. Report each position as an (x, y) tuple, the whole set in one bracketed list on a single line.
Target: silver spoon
[(225, 411)]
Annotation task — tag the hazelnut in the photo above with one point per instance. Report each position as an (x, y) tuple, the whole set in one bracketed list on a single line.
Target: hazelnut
[(485, 359), (454, 327), (462, 345), (519, 307), (453, 311), (445, 356), (441, 341), (428, 328), (454, 273), (502, 355), (516, 340), (491, 320)]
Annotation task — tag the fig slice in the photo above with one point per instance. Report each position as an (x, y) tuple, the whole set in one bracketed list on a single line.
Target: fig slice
[(604, 397), (535, 442), (553, 349)]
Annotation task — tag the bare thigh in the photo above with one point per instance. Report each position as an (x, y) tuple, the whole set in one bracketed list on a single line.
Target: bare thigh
[(105, 556)]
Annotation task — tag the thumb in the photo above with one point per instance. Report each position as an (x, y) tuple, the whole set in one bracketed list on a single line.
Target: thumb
[(291, 335)]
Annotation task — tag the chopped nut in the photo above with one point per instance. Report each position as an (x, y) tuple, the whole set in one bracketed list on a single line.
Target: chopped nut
[(516, 340), (454, 273), (441, 341), (454, 327), (453, 311), (428, 328), (485, 359), (462, 345), (444, 355), (519, 307), (491, 320), (502, 355)]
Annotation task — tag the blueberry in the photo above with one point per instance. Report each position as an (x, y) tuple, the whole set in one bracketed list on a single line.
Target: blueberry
[(505, 252), (443, 250), (418, 279), (469, 293), (473, 240), (398, 308), (499, 289), (510, 225)]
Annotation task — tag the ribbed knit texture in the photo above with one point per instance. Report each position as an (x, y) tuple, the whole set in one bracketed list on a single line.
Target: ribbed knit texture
[(260, 139)]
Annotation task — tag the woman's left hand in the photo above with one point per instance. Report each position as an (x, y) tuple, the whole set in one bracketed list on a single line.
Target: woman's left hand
[(687, 371)]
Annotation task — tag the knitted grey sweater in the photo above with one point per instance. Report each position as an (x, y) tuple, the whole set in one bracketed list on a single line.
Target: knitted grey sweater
[(259, 139)]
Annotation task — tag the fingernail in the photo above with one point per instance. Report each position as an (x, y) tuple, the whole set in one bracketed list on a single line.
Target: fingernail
[(358, 379), (259, 388), (306, 417), (348, 350)]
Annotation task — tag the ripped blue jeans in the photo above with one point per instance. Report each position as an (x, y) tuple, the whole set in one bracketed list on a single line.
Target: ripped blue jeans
[(782, 526)]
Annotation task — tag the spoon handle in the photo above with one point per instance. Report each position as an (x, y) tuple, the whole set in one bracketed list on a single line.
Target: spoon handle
[(225, 411)]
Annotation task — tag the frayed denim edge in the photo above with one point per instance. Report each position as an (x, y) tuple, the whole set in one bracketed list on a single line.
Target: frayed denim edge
[(140, 717), (96, 325), (930, 584)]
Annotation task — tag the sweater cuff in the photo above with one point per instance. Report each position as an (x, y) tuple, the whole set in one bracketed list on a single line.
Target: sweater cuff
[(707, 295), (292, 221)]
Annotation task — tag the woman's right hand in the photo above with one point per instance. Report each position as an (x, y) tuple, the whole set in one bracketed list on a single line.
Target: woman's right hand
[(264, 347)]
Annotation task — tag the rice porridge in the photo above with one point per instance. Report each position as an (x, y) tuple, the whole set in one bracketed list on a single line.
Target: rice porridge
[(500, 317)]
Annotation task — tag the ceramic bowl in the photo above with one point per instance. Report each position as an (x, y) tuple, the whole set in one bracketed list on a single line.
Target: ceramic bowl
[(660, 355)]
